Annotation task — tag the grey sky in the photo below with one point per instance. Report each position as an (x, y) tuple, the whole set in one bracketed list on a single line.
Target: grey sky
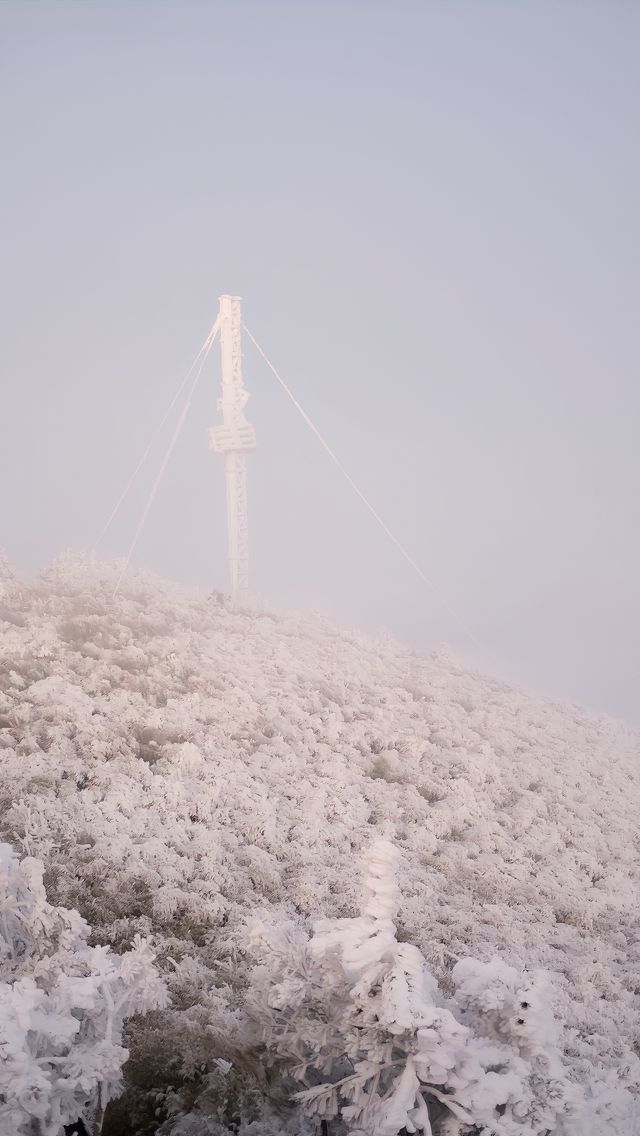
[(431, 212)]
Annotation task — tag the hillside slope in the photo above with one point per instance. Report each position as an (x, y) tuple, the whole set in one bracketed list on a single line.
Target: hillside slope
[(178, 765)]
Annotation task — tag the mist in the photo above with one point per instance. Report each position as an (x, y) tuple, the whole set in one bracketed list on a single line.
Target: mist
[(430, 212)]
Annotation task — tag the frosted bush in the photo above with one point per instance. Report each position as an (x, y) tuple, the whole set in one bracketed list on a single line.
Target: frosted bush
[(62, 1007)]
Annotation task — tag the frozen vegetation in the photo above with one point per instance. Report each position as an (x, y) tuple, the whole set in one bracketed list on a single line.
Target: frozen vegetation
[(324, 884)]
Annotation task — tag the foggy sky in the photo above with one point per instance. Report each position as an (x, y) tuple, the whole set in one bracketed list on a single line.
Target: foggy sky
[(431, 213)]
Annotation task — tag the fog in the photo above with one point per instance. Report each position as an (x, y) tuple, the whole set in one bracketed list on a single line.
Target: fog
[(431, 213)]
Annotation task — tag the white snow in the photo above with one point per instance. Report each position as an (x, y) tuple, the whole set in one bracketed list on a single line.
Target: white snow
[(181, 768)]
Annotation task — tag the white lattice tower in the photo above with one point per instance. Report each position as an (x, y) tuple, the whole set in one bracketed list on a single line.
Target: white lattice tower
[(232, 439)]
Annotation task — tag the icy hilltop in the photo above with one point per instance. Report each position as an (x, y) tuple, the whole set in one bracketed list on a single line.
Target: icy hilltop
[(324, 885)]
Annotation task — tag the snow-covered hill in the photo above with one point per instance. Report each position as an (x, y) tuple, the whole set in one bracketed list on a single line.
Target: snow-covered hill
[(179, 767)]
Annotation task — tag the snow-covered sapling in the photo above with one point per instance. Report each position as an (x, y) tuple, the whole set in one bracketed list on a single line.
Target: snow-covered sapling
[(357, 1018)]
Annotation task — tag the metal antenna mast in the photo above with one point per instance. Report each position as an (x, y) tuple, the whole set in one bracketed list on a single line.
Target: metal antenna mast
[(232, 439)]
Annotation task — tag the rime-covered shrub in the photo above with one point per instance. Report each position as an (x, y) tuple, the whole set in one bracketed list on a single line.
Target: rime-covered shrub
[(357, 1018), (62, 1006)]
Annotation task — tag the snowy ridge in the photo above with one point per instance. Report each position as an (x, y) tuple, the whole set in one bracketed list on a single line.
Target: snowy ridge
[(178, 766)]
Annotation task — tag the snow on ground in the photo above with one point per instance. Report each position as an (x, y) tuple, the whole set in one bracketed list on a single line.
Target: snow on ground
[(178, 766)]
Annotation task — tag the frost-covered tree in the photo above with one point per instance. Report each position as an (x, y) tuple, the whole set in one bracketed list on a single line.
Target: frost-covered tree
[(62, 1007), (357, 1018), (7, 575)]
